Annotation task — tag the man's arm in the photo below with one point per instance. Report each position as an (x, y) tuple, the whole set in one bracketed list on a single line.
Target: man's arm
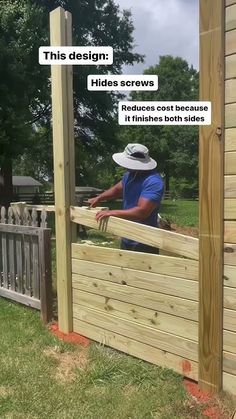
[(138, 213), (112, 193)]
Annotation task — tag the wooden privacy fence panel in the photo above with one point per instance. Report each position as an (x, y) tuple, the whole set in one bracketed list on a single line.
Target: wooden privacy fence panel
[(25, 260)]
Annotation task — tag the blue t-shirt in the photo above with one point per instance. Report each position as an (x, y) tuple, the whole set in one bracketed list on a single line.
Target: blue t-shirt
[(148, 185)]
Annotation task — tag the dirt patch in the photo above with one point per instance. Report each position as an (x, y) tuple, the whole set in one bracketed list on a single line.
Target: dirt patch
[(68, 362), (187, 231)]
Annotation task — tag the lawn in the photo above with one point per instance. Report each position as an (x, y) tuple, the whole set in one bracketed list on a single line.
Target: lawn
[(180, 212)]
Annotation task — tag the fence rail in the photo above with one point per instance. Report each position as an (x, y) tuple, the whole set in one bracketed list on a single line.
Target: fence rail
[(25, 259)]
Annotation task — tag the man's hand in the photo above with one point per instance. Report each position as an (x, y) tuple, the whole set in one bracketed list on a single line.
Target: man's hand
[(93, 201), (104, 214)]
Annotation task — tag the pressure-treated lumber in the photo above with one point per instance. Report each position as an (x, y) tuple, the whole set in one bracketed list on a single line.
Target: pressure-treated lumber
[(166, 240), (229, 2), (229, 339), (229, 383), (230, 42), (230, 208), (230, 186), (230, 66), (230, 320), (147, 317), (230, 115), (161, 340), (138, 349), (230, 299), (229, 362), (62, 171), (230, 91), (230, 275), (230, 18), (178, 267), (230, 162), (230, 139), (164, 284), (176, 306), (212, 14), (230, 231), (230, 254)]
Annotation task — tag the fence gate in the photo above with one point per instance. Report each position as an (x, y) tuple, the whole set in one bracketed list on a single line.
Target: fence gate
[(25, 261)]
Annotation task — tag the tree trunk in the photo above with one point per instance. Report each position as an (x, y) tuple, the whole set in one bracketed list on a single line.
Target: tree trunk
[(6, 188), (167, 181)]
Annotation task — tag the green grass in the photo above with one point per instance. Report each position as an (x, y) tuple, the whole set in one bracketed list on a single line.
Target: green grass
[(181, 212), (42, 377)]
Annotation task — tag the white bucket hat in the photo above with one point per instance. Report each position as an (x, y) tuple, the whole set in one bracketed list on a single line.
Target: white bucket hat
[(135, 157)]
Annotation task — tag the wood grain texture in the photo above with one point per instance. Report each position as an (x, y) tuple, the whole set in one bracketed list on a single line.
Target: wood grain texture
[(229, 383), (175, 306), (230, 186), (20, 298), (230, 298), (147, 317), (161, 340), (230, 139), (230, 42), (177, 267), (230, 208), (230, 18), (166, 240), (62, 172), (229, 254), (230, 231), (230, 163), (211, 196), (230, 66), (230, 115), (229, 2), (230, 276), (229, 363), (164, 284), (137, 349), (230, 91), (229, 341)]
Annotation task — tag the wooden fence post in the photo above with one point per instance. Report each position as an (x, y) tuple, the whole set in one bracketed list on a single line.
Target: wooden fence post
[(63, 168), (211, 177), (45, 274)]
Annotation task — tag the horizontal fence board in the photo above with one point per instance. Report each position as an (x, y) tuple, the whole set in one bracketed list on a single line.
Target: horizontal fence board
[(230, 298), (160, 302), (230, 115), (230, 42), (161, 340), (229, 383), (182, 268), (230, 209), (230, 66), (20, 298), (230, 91), (26, 230), (230, 254), (229, 321), (229, 2), (230, 18), (230, 231), (160, 321), (172, 242), (230, 163), (229, 339), (230, 186), (230, 276), (229, 362), (137, 349), (230, 138), (145, 280)]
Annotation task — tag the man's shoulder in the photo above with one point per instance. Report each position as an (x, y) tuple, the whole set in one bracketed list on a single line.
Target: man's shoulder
[(154, 178)]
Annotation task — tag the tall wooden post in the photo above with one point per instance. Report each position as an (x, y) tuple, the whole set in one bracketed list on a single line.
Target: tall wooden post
[(63, 146), (211, 197)]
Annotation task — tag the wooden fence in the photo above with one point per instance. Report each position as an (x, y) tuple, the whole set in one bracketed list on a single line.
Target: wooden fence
[(25, 261)]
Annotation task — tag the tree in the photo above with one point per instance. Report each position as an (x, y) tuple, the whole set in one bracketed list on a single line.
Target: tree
[(24, 87), (174, 147)]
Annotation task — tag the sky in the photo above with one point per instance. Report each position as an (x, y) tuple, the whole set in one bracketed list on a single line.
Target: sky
[(164, 27)]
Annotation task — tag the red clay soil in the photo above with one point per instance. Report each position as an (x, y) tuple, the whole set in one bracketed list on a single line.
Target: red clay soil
[(71, 337)]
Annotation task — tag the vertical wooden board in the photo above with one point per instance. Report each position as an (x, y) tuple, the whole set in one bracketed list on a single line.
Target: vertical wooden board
[(45, 275), (27, 267), (12, 257), (230, 18), (4, 260), (230, 42), (211, 197), (230, 66), (230, 115), (62, 173), (230, 139), (19, 264), (230, 163), (35, 267), (230, 91)]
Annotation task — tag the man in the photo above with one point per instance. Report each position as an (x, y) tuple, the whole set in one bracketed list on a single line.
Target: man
[(141, 188)]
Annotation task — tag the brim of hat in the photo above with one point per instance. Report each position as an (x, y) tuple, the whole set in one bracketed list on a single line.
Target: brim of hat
[(134, 164)]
